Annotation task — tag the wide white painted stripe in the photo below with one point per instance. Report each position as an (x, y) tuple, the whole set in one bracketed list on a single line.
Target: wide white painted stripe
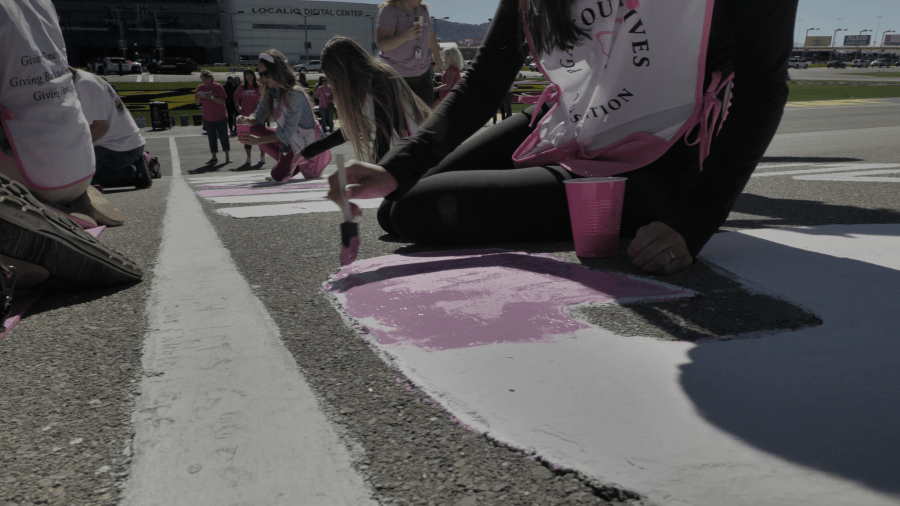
[(290, 209), (150, 78), (308, 195), (828, 168), (224, 415), (140, 78), (856, 177), (841, 133)]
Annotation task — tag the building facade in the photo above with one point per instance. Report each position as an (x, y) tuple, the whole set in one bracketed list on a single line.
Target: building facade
[(296, 28), (141, 31)]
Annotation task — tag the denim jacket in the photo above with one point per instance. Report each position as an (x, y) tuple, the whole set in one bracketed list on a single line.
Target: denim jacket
[(296, 112)]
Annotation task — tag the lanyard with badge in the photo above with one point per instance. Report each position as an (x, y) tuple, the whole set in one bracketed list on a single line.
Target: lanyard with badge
[(415, 20)]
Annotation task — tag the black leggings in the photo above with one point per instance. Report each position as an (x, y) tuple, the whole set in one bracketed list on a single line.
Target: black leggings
[(423, 86), (476, 195)]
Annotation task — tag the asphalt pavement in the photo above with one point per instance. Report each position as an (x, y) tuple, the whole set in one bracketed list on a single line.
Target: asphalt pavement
[(83, 418)]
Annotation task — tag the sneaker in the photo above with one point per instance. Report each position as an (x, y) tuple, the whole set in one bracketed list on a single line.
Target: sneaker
[(142, 175), (98, 207), (39, 236), (227, 157), (249, 160), (212, 161), (262, 159)]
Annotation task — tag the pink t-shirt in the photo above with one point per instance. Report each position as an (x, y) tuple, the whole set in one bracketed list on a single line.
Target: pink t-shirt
[(443, 93), (325, 96), (211, 110), (247, 100)]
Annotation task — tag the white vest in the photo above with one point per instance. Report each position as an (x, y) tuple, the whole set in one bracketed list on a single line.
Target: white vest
[(630, 90), (39, 109)]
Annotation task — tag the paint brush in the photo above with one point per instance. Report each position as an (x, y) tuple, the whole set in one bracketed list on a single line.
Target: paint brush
[(349, 230)]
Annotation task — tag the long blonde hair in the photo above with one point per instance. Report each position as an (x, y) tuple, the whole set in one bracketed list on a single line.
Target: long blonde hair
[(452, 57), (354, 75), (281, 73)]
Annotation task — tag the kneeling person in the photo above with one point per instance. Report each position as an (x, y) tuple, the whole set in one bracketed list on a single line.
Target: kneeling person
[(118, 143)]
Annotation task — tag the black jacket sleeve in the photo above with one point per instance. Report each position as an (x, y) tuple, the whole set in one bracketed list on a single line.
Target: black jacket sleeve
[(467, 107), (757, 35), (330, 141)]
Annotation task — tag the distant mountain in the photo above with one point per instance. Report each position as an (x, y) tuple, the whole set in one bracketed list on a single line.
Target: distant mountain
[(448, 31)]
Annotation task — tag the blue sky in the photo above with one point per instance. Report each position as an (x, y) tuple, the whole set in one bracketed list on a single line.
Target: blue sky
[(855, 15)]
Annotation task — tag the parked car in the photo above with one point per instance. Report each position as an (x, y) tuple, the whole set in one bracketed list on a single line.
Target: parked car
[(798, 63), (114, 65), (838, 64), (533, 67), (467, 66), (859, 64), (880, 63), (172, 66), (309, 66)]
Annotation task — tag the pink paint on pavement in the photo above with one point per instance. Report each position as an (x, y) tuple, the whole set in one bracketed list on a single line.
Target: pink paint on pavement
[(633, 4), (454, 300), (96, 231), (349, 253), (234, 192)]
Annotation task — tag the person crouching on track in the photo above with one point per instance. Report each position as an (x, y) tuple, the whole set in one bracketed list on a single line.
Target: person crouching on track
[(291, 107)]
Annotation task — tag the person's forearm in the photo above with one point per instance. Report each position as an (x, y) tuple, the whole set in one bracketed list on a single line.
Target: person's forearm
[(269, 139), (220, 101), (436, 51), (391, 43), (467, 107), (98, 131), (331, 141), (760, 93)]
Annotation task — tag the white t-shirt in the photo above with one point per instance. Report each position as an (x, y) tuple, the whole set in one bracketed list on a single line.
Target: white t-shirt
[(100, 102)]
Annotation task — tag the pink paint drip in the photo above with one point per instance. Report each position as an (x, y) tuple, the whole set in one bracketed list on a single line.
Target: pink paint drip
[(349, 253), (453, 300)]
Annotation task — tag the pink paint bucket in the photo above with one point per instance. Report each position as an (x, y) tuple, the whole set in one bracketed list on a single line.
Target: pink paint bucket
[(595, 210)]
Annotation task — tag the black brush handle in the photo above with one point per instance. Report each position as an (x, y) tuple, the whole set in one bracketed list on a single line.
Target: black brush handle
[(349, 230)]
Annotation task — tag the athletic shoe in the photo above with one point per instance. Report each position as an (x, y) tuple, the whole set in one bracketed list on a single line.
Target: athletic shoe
[(262, 158), (227, 157), (98, 207), (212, 161), (34, 234), (248, 161), (142, 174)]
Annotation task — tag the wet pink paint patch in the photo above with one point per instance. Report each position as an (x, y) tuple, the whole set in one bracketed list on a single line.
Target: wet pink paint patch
[(452, 300)]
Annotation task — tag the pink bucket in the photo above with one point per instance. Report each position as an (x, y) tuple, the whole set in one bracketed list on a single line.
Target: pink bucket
[(595, 210)]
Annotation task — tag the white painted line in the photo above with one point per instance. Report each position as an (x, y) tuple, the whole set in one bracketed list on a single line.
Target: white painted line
[(224, 416), (150, 78), (828, 168), (140, 77), (308, 195), (291, 209), (790, 108), (806, 135), (856, 177)]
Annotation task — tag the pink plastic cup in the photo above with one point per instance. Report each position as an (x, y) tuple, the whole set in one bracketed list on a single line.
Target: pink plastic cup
[(595, 210)]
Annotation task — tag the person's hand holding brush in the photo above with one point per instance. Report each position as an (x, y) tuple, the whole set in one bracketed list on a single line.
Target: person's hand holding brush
[(364, 181)]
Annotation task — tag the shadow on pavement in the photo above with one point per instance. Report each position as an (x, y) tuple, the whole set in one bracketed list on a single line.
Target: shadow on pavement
[(795, 212), (808, 159), (824, 398), (59, 294)]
